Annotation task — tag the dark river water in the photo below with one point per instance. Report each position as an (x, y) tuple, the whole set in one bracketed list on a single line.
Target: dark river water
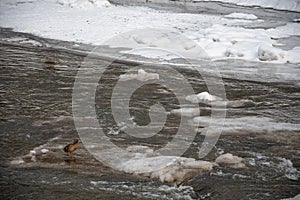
[(36, 122)]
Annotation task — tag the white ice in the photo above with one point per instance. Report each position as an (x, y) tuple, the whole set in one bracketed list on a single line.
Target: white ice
[(142, 76), (246, 125), (202, 97), (188, 112), (230, 160), (167, 169)]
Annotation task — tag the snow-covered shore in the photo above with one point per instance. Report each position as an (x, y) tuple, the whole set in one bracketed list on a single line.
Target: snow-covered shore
[(96, 21)]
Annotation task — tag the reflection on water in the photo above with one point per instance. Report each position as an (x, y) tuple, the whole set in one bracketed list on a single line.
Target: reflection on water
[(36, 123)]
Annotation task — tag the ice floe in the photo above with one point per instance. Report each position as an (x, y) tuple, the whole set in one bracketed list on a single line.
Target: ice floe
[(44, 150), (188, 112), (212, 100), (202, 97), (167, 169), (177, 169), (142, 76), (247, 125), (230, 160)]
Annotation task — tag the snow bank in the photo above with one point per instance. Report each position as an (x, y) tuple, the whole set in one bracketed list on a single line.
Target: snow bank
[(84, 4), (250, 44), (142, 76), (241, 16), (291, 5), (230, 160), (87, 21), (167, 169)]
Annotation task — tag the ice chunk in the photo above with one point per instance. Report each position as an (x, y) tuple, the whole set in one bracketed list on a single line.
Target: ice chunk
[(165, 168), (44, 150), (230, 160), (17, 161), (202, 97), (188, 112), (32, 152), (142, 75), (245, 125)]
